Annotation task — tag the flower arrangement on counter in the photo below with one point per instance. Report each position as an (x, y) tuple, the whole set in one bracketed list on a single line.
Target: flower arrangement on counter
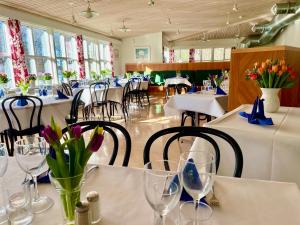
[(68, 171), (272, 74), (68, 74), (219, 79), (31, 77), (3, 78), (46, 76), (24, 84), (96, 76)]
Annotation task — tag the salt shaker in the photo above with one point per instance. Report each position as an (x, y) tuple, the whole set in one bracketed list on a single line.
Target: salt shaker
[(94, 202), (82, 214)]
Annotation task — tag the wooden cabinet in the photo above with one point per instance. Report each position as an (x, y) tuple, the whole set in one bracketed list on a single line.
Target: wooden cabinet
[(243, 91)]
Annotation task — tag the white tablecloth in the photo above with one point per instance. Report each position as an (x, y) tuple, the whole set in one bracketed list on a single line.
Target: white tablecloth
[(114, 94), (59, 109), (210, 104), (270, 152), (177, 80), (144, 84), (242, 202)]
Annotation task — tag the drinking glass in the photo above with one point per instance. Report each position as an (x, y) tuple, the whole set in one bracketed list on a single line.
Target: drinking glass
[(162, 187), (198, 169), (187, 213), (31, 156), (3, 168), (19, 204)]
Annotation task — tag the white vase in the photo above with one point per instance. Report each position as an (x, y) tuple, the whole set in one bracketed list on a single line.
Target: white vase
[(271, 97)]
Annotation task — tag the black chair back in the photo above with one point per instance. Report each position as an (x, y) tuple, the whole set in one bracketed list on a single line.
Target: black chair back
[(73, 117), (135, 84), (181, 86), (96, 97), (110, 128), (201, 132), (67, 89), (16, 127)]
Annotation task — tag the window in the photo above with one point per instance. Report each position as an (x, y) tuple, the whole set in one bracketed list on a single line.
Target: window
[(227, 54), (166, 55), (36, 44), (219, 54), (197, 55), (182, 55), (206, 54), (91, 57), (5, 58), (105, 57), (65, 48)]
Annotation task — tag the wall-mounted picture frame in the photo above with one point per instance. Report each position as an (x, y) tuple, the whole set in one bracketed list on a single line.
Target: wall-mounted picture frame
[(142, 54)]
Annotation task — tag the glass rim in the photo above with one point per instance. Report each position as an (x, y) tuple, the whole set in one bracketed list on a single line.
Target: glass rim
[(18, 142), (63, 178), (148, 170), (199, 203)]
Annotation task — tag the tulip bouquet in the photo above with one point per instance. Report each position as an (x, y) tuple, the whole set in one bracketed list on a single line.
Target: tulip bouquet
[(3, 78), (68, 74), (67, 170), (272, 74), (218, 79)]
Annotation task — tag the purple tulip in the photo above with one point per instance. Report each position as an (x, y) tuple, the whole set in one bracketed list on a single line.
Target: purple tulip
[(76, 132), (50, 135), (96, 141)]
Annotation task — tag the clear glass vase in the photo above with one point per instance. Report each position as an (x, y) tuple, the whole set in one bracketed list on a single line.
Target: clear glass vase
[(69, 190)]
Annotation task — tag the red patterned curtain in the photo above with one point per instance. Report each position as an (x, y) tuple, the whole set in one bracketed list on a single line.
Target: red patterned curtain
[(79, 41), (17, 50), (172, 56), (163, 54), (111, 49), (192, 55)]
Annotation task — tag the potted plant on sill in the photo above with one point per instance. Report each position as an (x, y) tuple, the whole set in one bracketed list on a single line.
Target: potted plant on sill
[(24, 84), (68, 74), (32, 78), (271, 76), (3, 82)]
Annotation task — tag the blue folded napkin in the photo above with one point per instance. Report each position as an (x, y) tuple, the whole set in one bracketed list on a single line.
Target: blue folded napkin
[(45, 92), (116, 83), (258, 117), (145, 79), (61, 95), (22, 101), (193, 89), (76, 85), (195, 182), (220, 91), (43, 178), (1, 93)]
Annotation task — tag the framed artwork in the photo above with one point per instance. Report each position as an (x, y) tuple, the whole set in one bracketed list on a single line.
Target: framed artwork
[(142, 53), (116, 54)]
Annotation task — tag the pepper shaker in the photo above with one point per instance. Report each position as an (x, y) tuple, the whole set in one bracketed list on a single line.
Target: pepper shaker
[(94, 202), (82, 214)]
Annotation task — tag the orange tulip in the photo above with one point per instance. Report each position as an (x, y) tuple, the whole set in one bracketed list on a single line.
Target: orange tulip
[(263, 65), (275, 68), (282, 62), (260, 70), (256, 64), (280, 73), (268, 61), (284, 68)]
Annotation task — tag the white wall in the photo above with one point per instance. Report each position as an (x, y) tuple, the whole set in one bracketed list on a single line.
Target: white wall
[(153, 40), (290, 36)]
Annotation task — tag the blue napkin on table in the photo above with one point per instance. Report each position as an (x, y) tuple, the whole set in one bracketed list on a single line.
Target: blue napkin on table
[(116, 82), (145, 79), (43, 92), (220, 91), (258, 117), (193, 89), (185, 197), (22, 101), (1, 93), (76, 85), (61, 95)]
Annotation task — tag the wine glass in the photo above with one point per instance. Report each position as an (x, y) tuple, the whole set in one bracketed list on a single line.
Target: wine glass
[(198, 169), (31, 156), (162, 187), (3, 168)]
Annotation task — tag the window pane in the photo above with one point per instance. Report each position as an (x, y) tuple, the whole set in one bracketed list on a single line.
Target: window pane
[(41, 42), (27, 40), (3, 41), (93, 51), (197, 55), (206, 54), (6, 66), (166, 55), (31, 65), (227, 53), (94, 67), (61, 66), (87, 69), (59, 45), (72, 65), (43, 65), (71, 47), (85, 49), (182, 55), (218, 54)]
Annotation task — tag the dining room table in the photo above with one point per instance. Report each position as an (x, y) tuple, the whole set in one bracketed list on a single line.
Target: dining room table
[(200, 102), (122, 200), (269, 152), (52, 106), (177, 80)]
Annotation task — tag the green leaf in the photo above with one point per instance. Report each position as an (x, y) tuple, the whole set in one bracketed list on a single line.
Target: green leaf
[(265, 79), (288, 84), (52, 163), (284, 77), (277, 79)]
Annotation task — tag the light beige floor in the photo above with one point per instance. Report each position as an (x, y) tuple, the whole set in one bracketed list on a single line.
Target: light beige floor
[(144, 122)]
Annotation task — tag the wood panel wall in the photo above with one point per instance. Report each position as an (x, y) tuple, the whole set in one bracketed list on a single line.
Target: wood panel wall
[(178, 66), (245, 92)]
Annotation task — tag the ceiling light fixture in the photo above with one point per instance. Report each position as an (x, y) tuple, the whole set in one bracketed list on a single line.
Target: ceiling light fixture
[(227, 21), (73, 21), (169, 21), (89, 13), (124, 28), (178, 32), (151, 3), (235, 7)]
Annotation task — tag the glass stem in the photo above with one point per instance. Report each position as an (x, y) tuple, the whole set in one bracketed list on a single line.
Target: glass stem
[(36, 195), (196, 204), (159, 219)]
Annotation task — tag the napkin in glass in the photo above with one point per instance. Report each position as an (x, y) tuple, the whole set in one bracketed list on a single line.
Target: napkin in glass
[(257, 115), (116, 82), (61, 95), (1, 93), (76, 85), (220, 91), (193, 89), (22, 101)]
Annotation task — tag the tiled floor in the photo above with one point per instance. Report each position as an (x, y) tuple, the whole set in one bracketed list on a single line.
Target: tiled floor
[(141, 125)]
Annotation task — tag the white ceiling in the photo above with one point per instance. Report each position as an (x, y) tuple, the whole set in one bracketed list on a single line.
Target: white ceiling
[(192, 18)]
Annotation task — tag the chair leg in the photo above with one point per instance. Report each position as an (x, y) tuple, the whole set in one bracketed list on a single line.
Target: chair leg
[(107, 112), (148, 98)]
